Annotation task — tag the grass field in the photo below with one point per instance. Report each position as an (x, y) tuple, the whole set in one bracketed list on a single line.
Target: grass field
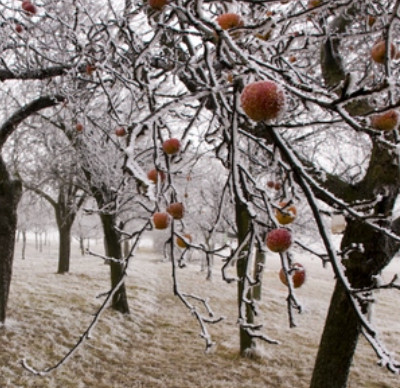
[(158, 344)]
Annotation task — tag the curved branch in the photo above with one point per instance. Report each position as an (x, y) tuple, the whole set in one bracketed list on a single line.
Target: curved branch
[(8, 127)]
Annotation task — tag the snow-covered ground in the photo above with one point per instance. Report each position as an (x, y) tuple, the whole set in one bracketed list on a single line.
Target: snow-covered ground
[(158, 344)]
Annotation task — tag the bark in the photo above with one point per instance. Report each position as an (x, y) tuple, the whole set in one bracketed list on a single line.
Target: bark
[(82, 245), (64, 251), (113, 250), (338, 343), (247, 342), (23, 244), (10, 194), (259, 270)]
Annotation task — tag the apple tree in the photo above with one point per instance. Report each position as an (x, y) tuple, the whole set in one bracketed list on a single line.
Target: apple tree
[(313, 86)]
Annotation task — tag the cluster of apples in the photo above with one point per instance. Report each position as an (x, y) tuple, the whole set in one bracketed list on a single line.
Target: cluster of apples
[(171, 147), (176, 210), (274, 185), (389, 120), (162, 220), (280, 239)]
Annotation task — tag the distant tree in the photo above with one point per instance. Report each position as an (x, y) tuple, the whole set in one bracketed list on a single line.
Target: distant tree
[(48, 167)]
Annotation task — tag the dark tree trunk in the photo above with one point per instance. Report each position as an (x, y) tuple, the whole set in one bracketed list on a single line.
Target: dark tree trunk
[(334, 357), (342, 326), (247, 343), (10, 193), (64, 250), (113, 250)]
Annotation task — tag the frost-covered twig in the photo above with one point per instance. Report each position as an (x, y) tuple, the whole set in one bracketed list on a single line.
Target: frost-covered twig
[(185, 296), (292, 302)]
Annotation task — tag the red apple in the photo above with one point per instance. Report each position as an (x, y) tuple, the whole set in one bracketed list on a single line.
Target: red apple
[(18, 28), (120, 131), (292, 59), (154, 175), (277, 185), (271, 184), (296, 272), (378, 51), (171, 146), (371, 20), (161, 220), (262, 100), (157, 4), (286, 214), (29, 8), (229, 20), (90, 69), (386, 121), (314, 3), (279, 240), (176, 210), (79, 127), (180, 241)]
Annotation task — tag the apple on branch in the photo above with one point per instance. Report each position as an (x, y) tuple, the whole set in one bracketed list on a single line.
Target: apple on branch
[(120, 131), (286, 213), (176, 210), (157, 4), (262, 100), (386, 121), (314, 3), (90, 69), (79, 127), (181, 241), (29, 8), (378, 51), (279, 240), (171, 146), (161, 220), (229, 20), (298, 274), (154, 175), (19, 28)]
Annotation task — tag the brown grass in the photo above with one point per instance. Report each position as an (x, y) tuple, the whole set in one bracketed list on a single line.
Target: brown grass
[(158, 344)]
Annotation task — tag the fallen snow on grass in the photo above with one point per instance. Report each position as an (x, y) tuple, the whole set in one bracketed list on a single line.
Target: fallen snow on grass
[(158, 344)]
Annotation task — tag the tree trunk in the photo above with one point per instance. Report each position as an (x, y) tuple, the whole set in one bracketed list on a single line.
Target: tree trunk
[(64, 251), (23, 244), (82, 245), (258, 270), (10, 193), (247, 343), (342, 326), (334, 357), (113, 250), (41, 242)]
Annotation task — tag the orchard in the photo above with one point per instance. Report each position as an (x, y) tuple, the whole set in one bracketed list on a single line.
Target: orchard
[(249, 124)]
